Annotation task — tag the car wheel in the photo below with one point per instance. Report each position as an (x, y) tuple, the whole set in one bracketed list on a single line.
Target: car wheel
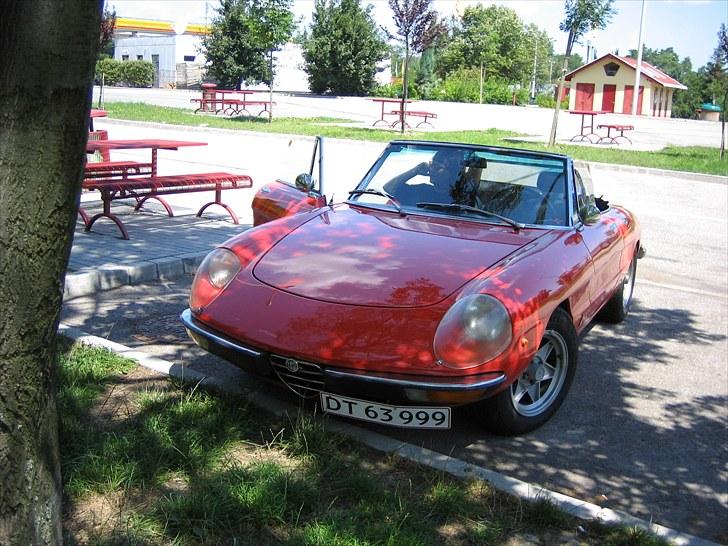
[(535, 396), (616, 309)]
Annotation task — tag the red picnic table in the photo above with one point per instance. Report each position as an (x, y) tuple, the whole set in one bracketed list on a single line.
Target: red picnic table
[(226, 101), (137, 144), (95, 113), (384, 102), (582, 136), (132, 179)]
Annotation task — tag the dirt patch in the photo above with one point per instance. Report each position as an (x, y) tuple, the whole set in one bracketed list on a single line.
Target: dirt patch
[(118, 402)]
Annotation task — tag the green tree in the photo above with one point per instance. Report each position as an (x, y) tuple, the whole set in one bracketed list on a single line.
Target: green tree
[(717, 70), (106, 35), (417, 27), (343, 48), (573, 61), (241, 35), (425, 79), (493, 38), (581, 17), (49, 50)]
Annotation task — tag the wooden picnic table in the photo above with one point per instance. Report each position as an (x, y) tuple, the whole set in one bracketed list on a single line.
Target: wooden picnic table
[(586, 124)]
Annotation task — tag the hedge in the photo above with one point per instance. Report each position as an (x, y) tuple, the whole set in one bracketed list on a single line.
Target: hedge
[(129, 73)]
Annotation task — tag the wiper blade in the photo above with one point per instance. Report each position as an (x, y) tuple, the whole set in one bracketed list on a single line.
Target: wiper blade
[(467, 208), (395, 203)]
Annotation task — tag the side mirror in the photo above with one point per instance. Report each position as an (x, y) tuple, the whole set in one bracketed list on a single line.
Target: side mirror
[(305, 182), (589, 213)]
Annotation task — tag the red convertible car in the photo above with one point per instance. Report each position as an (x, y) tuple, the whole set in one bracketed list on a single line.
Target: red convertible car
[(452, 275)]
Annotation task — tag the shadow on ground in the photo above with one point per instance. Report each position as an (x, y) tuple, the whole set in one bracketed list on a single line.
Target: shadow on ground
[(632, 435)]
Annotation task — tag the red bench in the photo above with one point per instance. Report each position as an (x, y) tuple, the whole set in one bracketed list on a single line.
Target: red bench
[(413, 113), (152, 187), (106, 169), (609, 139), (230, 107), (236, 106)]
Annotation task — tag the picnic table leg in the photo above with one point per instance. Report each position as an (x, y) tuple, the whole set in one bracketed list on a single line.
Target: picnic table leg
[(381, 118), (106, 198), (218, 201), (84, 216), (140, 203)]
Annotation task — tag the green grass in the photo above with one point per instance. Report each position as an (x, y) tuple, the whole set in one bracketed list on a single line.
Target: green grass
[(690, 159), (176, 466)]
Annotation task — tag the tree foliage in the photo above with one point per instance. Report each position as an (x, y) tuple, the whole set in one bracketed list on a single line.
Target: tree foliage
[(583, 16), (417, 28), (241, 35), (416, 22), (343, 48), (106, 33), (717, 69)]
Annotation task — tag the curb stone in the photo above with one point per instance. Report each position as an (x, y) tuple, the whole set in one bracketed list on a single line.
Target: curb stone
[(523, 490), (86, 283)]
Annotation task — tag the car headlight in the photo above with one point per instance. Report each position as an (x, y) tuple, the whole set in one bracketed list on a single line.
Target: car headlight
[(215, 272), (474, 330)]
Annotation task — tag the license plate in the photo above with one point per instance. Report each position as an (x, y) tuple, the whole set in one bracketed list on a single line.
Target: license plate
[(384, 414)]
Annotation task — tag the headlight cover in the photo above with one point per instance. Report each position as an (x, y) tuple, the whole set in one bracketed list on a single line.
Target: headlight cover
[(215, 272), (474, 330)]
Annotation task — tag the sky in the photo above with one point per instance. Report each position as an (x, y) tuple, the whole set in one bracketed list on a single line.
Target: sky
[(690, 27)]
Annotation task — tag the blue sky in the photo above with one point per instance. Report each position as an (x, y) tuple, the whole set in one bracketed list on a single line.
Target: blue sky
[(690, 27)]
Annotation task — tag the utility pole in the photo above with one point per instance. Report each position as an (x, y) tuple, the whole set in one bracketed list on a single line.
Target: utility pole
[(638, 70), (533, 77)]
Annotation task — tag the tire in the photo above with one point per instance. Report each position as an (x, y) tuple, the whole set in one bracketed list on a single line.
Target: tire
[(616, 309), (529, 402)]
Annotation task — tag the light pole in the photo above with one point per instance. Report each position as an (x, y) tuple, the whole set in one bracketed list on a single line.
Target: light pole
[(533, 77), (638, 68)]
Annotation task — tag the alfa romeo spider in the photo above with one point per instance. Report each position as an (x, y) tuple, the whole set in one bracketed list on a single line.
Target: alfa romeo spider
[(451, 275)]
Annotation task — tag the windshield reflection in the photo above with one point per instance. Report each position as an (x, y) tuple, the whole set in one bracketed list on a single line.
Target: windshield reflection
[(524, 187)]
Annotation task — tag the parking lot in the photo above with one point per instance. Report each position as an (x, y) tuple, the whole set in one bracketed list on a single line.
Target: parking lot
[(643, 429)]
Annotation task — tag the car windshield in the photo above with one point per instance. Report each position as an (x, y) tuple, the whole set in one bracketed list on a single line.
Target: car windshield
[(521, 186)]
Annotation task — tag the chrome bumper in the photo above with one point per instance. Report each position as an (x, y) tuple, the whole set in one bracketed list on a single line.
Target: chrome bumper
[(383, 385)]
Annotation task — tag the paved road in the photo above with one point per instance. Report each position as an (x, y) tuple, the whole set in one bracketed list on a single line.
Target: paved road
[(644, 427)]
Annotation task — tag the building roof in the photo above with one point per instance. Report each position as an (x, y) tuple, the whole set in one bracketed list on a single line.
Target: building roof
[(648, 71), (127, 24)]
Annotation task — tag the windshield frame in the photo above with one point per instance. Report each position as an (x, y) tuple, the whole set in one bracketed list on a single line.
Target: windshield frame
[(397, 145)]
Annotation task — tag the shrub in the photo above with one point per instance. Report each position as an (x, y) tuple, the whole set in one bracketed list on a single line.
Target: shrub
[(394, 90), (137, 73), (131, 73), (111, 70)]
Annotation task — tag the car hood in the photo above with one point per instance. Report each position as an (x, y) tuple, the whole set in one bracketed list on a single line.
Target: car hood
[(369, 257)]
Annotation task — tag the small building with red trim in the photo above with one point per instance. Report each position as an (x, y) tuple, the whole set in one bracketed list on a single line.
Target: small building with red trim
[(607, 84)]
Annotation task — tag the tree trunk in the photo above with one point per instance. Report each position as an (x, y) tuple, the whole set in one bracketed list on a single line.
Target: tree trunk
[(554, 124), (405, 85), (48, 53)]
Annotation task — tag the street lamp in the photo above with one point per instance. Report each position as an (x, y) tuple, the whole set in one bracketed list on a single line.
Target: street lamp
[(533, 77)]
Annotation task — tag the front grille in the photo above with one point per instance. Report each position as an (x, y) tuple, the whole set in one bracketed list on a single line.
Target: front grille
[(303, 378)]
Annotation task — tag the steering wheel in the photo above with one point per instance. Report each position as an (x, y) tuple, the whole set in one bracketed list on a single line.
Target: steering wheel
[(533, 207)]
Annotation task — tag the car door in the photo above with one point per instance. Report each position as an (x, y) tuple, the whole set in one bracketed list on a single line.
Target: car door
[(601, 234), (278, 199)]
